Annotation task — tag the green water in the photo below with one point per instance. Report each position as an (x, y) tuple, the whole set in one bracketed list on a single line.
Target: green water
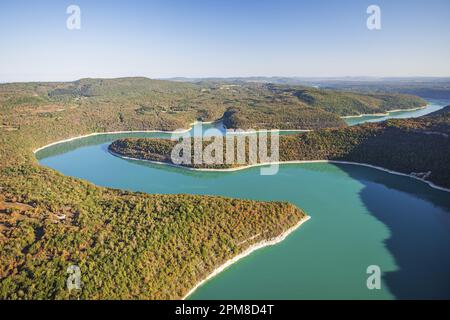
[(360, 217), (433, 105)]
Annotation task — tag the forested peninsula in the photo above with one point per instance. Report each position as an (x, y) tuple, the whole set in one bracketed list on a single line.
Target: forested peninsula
[(131, 245), (418, 147)]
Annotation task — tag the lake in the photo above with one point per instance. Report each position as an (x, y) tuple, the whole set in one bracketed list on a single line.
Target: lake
[(360, 217)]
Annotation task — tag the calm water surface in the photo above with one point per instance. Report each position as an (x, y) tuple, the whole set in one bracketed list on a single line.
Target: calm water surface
[(433, 105), (360, 217)]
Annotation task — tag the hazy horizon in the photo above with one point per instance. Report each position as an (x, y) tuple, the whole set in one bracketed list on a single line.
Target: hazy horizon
[(336, 78)]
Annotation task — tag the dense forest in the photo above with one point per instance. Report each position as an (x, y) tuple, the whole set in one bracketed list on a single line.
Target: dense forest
[(128, 245), (437, 88), (418, 146), (141, 103)]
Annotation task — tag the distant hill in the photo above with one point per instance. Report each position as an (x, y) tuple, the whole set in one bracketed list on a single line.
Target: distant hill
[(426, 87), (142, 103)]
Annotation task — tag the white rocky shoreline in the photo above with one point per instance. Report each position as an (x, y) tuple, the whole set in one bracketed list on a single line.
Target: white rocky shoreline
[(412, 175), (246, 252)]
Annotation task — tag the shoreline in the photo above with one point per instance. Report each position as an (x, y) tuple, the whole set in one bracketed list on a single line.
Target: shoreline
[(429, 183), (191, 125), (387, 113), (269, 130), (121, 132), (247, 252)]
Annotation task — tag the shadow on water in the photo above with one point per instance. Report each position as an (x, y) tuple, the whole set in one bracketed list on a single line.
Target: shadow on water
[(421, 251)]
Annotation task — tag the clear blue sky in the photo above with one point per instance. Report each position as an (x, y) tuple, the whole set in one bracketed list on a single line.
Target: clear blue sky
[(190, 38)]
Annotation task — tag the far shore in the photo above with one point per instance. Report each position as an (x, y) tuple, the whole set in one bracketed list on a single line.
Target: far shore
[(120, 132), (158, 131), (387, 113), (246, 252), (181, 131), (269, 130)]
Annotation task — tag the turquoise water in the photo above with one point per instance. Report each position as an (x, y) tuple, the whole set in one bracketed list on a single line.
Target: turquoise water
[(433, 105), (360, 217)]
